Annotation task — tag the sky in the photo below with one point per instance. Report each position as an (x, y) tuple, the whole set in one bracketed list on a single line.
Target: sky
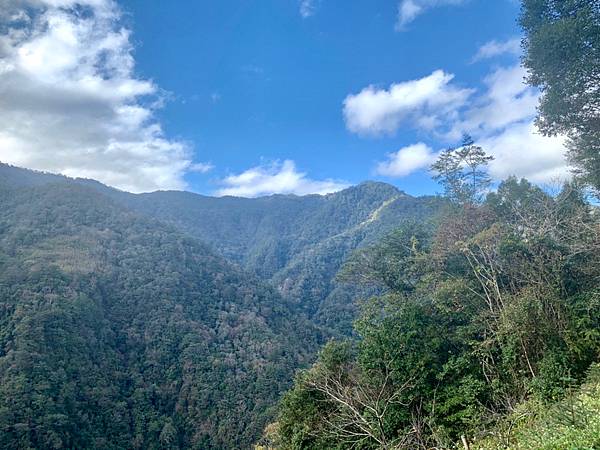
[(252, 98)]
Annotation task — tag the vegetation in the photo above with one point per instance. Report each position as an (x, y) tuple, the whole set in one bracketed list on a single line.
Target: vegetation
[(573, 422), (461, 172), (562, 54), (479, 326), (495, 306), (484, 326), (119, 332), (296, 244), (115, 327)]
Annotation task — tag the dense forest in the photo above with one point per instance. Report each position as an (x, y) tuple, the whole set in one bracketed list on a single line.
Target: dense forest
[(363, 319), (119, 328), (486, 331), (296, 244), (499, 304), (119, 332)]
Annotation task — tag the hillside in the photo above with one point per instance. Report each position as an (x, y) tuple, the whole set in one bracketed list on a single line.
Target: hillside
[(117, 331), (296, 244), (572, 422), (128, 296), (484, 327)]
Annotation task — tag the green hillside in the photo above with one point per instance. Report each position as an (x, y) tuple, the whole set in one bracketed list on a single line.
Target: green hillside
[(572, 423), (296, 244), (119, 332)]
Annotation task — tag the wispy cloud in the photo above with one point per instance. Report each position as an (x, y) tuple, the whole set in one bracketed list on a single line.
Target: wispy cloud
[(71, 102), (307, 8), (407, 160), (409, 10), (201, 167), (495, 48), (276, 178), (506, 100)]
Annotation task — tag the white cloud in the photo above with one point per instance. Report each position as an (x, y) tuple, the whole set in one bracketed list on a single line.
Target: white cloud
[(71, 102), (507, 100), (500, 118), (409, 10), (276, 178), (307, 8), (495, 48), (201, 167), (426, 102), (522, 151), (407, 160)]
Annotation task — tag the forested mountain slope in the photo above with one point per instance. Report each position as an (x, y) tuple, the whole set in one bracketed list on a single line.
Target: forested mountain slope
[(483, 323), (120, 327), (117, 331), (297, 244)]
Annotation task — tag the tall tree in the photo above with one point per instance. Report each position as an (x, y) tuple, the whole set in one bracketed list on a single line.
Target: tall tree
[(562, 54), (463, 173)]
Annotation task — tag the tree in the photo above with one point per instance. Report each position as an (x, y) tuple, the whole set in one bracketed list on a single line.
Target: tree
[(360, 402), (494, 307), (562, 54), (462, 172)]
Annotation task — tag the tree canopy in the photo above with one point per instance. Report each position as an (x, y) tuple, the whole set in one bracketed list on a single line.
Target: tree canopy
[(562, 55), (495, 306)]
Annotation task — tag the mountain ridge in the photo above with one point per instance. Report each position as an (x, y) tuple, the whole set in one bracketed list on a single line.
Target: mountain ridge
[(165, 339), (186, 315), (44, 177), (295, 243)]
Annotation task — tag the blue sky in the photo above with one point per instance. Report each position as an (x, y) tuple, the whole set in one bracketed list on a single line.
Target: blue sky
[(257, 97)]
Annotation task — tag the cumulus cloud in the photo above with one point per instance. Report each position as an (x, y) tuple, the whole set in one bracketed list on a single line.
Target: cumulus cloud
[(276, 178), (495, 48), (522, 151), (500, 118), (71, 102), (409, 10), (407, 160), (426, 102), (507, 100)]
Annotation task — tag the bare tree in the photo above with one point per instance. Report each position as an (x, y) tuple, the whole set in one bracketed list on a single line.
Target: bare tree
[(359, 404)]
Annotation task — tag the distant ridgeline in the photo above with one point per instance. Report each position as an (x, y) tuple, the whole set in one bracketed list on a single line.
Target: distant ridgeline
[(168, 320)]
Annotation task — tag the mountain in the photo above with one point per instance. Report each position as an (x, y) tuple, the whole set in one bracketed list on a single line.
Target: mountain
[(297, 244), (170, 319), (117, 331)]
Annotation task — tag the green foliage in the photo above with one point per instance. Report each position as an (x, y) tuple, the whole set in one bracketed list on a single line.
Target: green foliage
[(392, 263), (119, 332), (571, 423), (496, 306), (462, 172), (297, 244), (562, 54)]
